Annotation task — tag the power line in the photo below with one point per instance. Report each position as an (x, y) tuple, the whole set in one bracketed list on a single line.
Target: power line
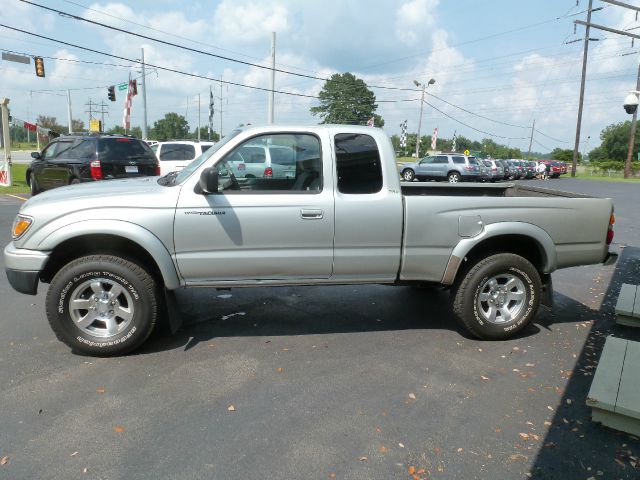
[(473, 128), (551, 138), (194, 50)]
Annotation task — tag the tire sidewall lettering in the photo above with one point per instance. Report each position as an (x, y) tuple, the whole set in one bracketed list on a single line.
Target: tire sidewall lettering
[(522, 317)]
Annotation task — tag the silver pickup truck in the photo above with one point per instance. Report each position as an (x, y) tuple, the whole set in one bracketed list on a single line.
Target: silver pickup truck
[(114, 252)]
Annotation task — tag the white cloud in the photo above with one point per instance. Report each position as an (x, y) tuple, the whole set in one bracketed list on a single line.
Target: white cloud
[(413, 18), (245, 23)]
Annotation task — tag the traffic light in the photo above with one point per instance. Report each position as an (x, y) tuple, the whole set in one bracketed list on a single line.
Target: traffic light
[(111, 93), (39, 63)]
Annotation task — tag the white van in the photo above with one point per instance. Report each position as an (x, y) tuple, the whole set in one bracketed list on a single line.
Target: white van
[(176, 154)]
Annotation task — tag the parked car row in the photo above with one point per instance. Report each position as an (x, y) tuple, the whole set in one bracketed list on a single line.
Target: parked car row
[(455, 167)]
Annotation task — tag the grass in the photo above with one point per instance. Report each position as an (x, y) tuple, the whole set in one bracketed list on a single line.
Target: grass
[(18, 172), (30, 147), (604, 178)]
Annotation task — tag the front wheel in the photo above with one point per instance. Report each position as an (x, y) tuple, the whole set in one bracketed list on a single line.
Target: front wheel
[(102, 305), (408, 175), (498, 296), (34, 189), (453, 177)]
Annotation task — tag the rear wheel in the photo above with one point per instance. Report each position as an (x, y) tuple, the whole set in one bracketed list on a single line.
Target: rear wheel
[(408, 175), (74, 181), (498, 296), (453, 177), (102, 305)]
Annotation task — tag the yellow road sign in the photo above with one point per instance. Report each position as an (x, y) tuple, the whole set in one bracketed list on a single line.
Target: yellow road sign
[(467, 152)]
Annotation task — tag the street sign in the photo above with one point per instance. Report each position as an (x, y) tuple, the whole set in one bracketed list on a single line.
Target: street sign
[(10, 57), (122, 87), (467, 152), (95, 126)]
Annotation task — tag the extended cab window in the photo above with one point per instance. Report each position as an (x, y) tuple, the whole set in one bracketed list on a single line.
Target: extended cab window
[(358, 163), (281, 163)]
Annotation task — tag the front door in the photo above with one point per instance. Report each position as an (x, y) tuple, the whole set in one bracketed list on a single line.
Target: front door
[(262, 229)]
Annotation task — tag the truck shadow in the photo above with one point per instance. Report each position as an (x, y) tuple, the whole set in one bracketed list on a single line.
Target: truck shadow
[(282, 311), (574, 447)]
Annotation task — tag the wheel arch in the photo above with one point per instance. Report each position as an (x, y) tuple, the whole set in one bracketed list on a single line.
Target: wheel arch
[(129, 241), (527, 240)]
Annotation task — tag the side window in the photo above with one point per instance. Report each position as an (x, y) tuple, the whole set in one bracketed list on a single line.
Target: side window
[(280, 163), (358, 163), (81, 150), (426, 160), (441, 160), (62, 150), (49, 151), (458, 160), (177, 151)]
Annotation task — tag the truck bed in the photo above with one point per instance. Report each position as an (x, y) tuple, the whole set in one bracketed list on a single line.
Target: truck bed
[(482, 190)]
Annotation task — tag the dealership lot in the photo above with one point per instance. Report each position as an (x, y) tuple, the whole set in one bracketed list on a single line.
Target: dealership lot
[(323, 382)]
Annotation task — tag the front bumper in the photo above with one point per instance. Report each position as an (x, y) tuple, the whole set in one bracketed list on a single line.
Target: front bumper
[(23, 267), (23, 281)]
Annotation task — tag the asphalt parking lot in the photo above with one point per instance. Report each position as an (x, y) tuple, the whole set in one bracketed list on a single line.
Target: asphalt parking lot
[(365, 382)]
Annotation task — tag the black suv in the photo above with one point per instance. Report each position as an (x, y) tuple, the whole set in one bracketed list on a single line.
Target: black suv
[(80, 158)]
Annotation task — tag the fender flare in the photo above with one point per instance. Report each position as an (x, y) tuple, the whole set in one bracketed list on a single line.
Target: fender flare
[(464, 246), (119, 228)]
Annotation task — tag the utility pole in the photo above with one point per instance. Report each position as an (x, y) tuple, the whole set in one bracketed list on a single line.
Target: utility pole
[(632, 134), (198, 117), (576, 146), (69, 115), (220, 107), (588, 24), (273, 79), (90, 112), (424, 87), (144, 98), (102, 112), (6, 181), (531, 139)]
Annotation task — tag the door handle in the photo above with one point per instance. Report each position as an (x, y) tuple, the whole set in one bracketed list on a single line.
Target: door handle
[(311, 214)]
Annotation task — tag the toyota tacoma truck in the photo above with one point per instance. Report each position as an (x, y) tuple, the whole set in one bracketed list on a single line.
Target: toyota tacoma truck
[(114, 253)]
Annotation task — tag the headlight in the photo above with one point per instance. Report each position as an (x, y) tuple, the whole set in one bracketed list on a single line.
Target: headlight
[(20, 225)]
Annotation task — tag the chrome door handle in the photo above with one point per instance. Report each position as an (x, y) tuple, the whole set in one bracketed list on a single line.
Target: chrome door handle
[(311, 214)]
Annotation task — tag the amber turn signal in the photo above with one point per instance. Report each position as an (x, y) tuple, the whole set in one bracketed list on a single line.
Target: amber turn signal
[(20, 225)]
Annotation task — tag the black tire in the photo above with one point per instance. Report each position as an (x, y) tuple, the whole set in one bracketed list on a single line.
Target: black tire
[(475, 284), (74, 181), (453, 177), (33, 185), (90, 281), (408, 174)]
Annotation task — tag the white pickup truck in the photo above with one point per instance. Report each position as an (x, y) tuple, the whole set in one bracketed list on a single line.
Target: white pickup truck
[(115, 251)]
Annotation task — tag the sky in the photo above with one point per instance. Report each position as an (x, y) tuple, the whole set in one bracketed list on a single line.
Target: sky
[(498, 64)]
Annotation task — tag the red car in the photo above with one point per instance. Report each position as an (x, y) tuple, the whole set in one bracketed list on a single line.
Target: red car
[(555, 168)]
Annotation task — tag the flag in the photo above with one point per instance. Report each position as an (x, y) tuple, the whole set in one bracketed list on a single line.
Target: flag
[(210, 127), (453, 147), (403, 134), (434, 138), (371, 122), (131, 92)]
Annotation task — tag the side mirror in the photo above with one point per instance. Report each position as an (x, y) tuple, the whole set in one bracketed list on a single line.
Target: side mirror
[(36, 155), (209, 180)]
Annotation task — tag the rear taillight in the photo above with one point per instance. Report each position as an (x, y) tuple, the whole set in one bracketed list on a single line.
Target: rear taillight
[(96, 170), (494, 169), (468, 167), (157, 169), (612, 221), (268, 172)]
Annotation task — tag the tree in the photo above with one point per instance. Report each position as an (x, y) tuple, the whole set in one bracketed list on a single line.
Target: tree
[(344, 98), (51, 123), (171, 126), (119, 130), (615, 143), (77, 125), (204, 134), (564, 155)]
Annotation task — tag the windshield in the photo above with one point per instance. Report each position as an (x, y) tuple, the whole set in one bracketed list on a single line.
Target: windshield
[(193, 166)]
